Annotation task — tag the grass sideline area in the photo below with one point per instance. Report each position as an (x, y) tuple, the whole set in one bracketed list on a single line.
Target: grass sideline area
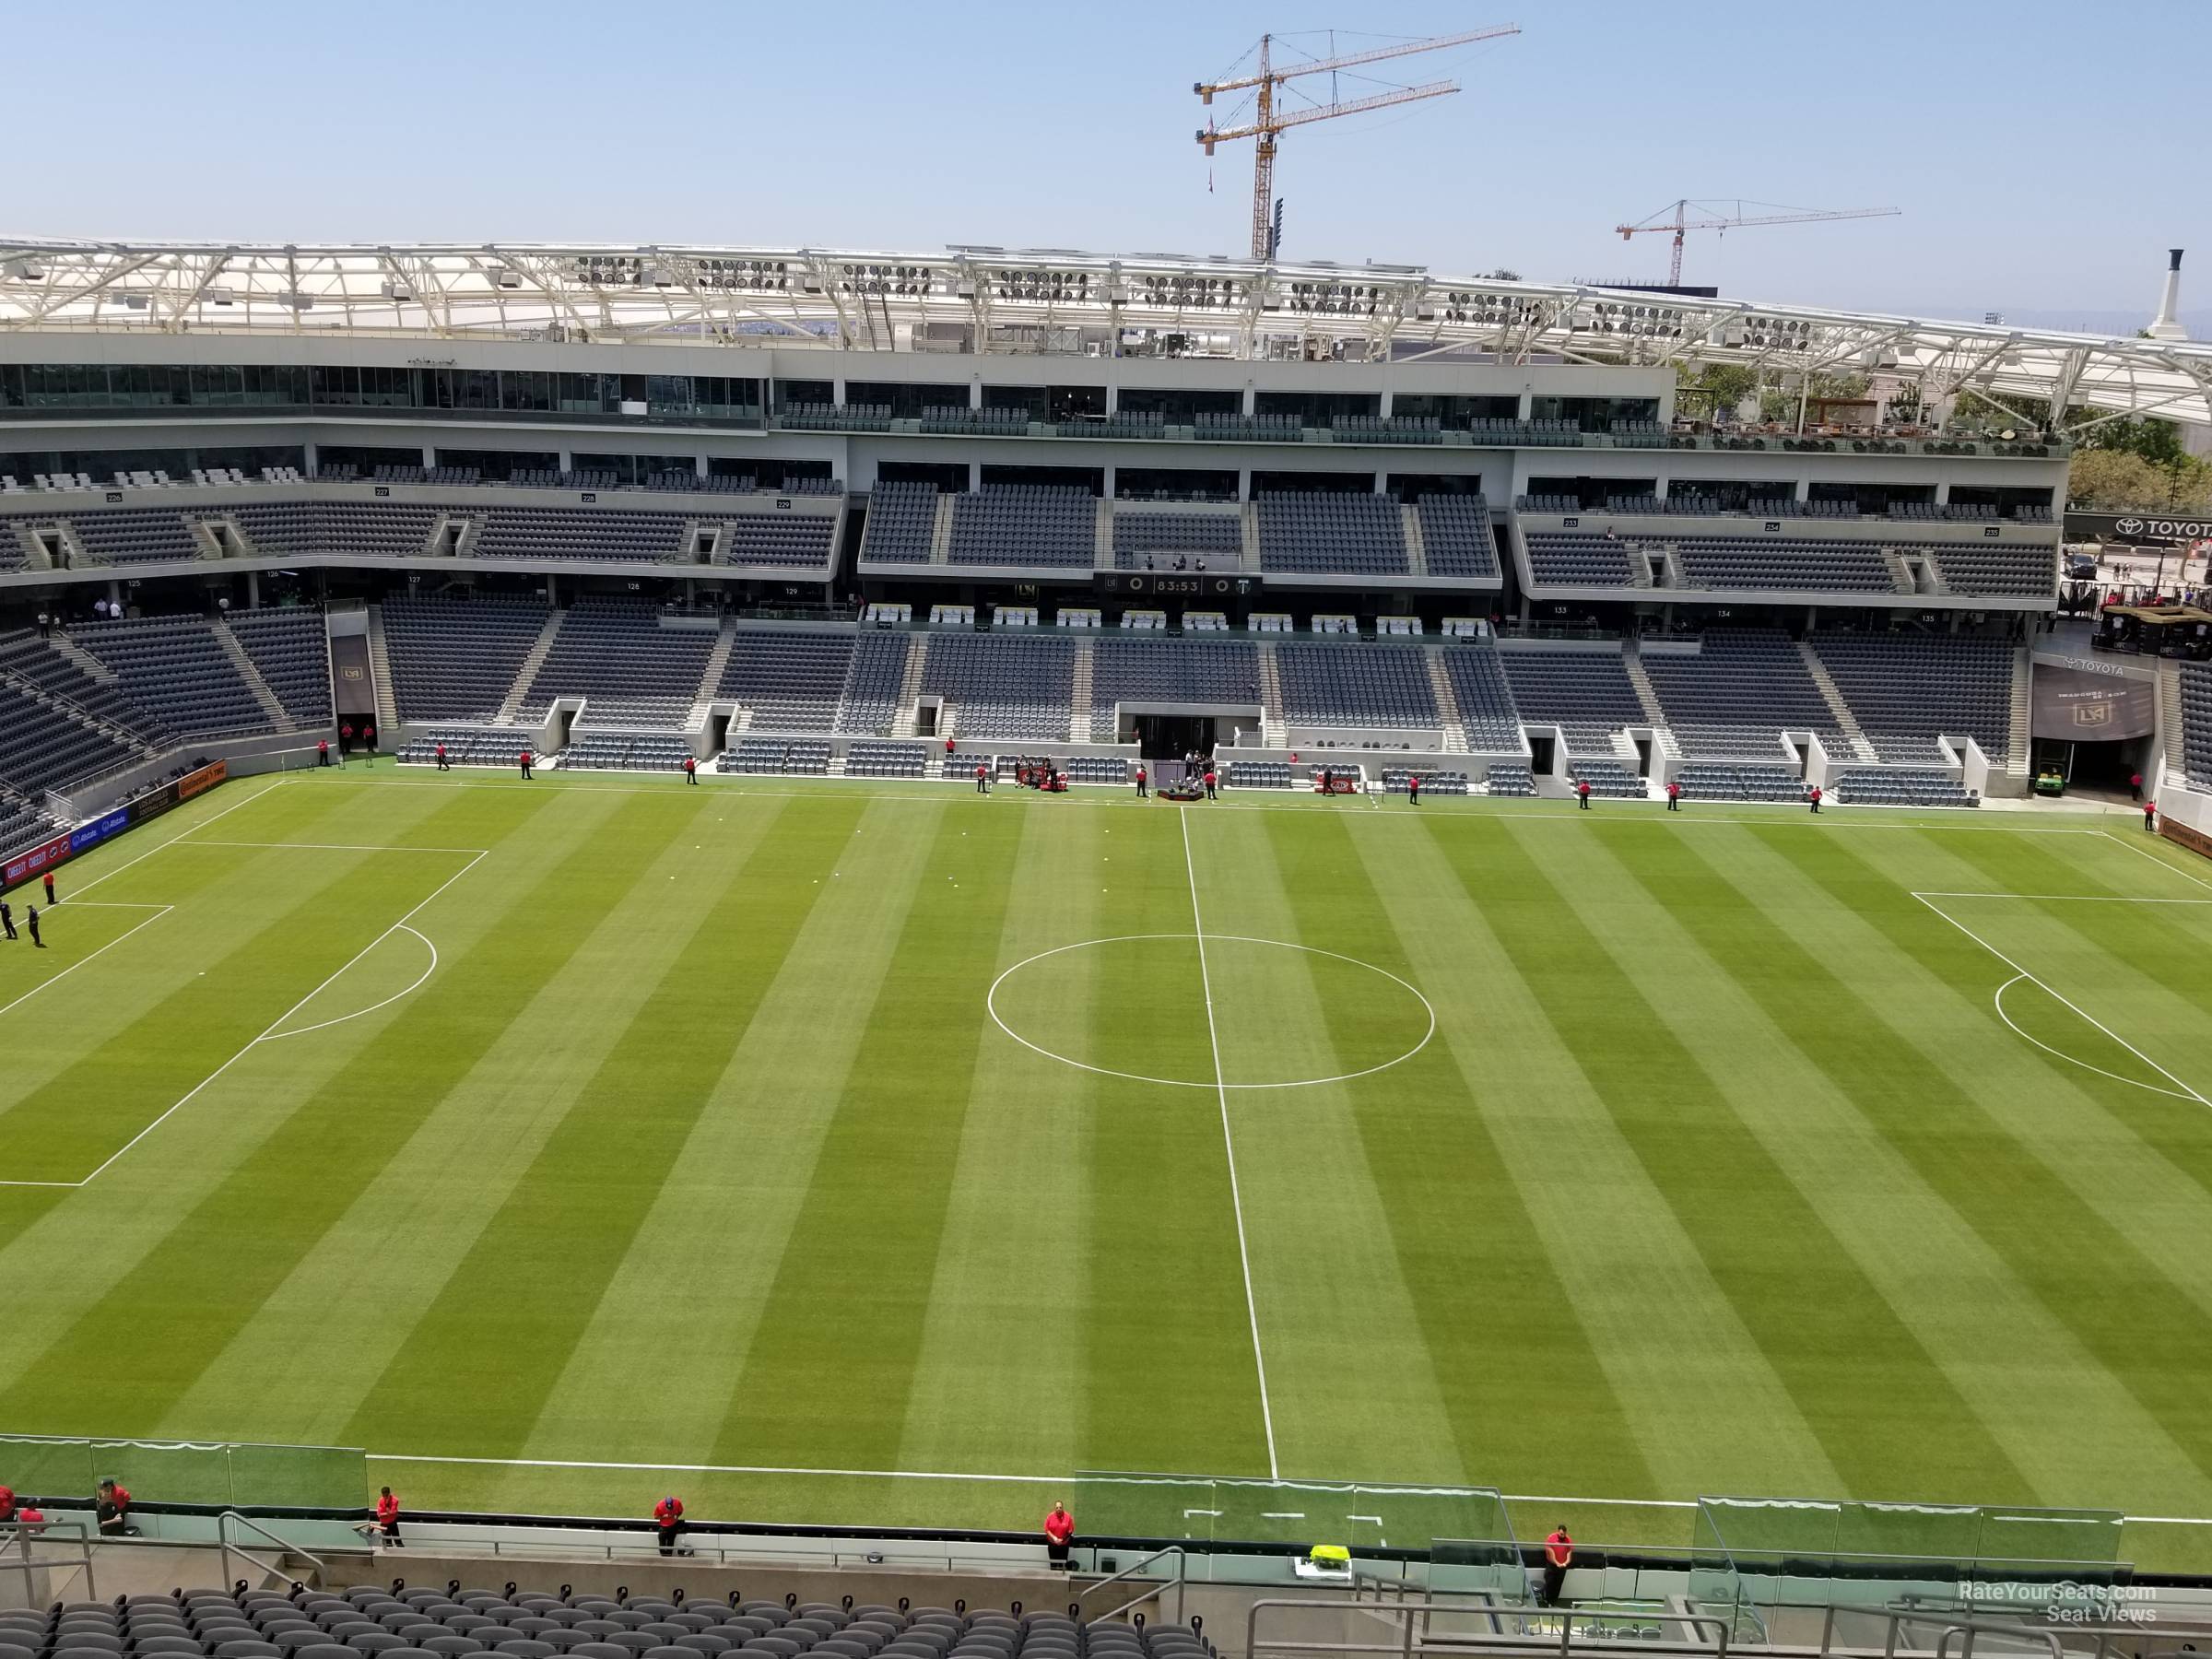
[(785, 1128)]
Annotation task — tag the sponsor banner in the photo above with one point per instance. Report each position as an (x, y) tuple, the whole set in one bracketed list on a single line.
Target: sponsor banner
[(2140, 529), (2077, 707), (99, 829), (30, 865), (2185, 835)]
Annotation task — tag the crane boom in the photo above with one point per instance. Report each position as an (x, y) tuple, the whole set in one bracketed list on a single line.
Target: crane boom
[(1205, 89), (1265, 123), (1210, 136), (1681, 222)]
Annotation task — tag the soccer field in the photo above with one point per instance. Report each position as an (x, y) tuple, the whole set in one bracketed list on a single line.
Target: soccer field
[(853, 1153)]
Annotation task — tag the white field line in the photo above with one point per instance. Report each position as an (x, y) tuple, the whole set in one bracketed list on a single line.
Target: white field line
[(160, 910), (273, 1031), (1228, 1146), (1112, 798), (976, 1477), (2050, 990), (2071, 1059), (2142, 851), (172, 841), (2063, 898), (372, 1007)]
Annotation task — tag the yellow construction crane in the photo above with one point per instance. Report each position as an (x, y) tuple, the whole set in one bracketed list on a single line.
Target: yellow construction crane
[(1719, 217), (1266, 124)]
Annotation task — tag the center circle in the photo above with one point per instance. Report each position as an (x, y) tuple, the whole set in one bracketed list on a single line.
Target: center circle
[(1135, 1007)]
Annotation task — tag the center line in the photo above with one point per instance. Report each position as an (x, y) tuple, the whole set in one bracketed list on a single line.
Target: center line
[(1229, 1144)]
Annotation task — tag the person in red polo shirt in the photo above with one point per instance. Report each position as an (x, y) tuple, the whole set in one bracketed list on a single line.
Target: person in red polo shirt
[(2151, 816), (322, 751), (1582, 794), (1813, 796), (1059, 1532), (1558, 1555), (668, 1515), (982, 779), (1142, 778), (443, 765), (692, 768), (1210, 781), (7, 1505), (1674, 795), (113, 1507), (387, 1519), (523, 760)]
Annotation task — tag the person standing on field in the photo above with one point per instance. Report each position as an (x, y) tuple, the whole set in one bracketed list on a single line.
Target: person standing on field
[(692, 768), (30, 912), (1814, 798), (982, 779), (7, 920), (1674, 795), (322, 751), (443, 765), (2134, 786), (1413, 788), (523, 758), (668, 1516), (2150, 822), (1209, 781), (50, 899), (1059, 1532), (1141, 780), (1582, 794), (1558, 1555)]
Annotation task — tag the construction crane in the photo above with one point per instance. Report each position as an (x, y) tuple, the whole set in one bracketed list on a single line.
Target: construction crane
[(1265, 123), (1722, 220)]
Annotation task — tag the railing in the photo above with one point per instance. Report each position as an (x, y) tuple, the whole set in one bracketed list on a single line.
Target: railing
[(1131, 1572), (22, 1551), (230, 1520)]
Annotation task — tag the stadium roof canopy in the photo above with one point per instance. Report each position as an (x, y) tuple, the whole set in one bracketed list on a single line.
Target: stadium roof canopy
[(1045, 300)]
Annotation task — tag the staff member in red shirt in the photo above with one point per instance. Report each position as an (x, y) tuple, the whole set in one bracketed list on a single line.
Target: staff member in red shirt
[(1209, 783), (1558, 1555), (2134, 786), (1815, 797), (523, 760), (1582, 794), (112, 1506), (1141, 780), (322, 751), (2150, 822), (442, 764), (387, 1519), (692, 768), (1059, 1532), (668, 1515), (1413, 788), (1674, 795), (982, 779)]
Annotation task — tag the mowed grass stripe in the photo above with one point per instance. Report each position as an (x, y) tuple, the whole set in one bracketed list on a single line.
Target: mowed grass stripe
[(2089, 1277), (1557, 1069), (134, 1349), (833, 1365), (421, 1244), (1497, 1341), (2128, 975), (688, 1295), (2142, 1161), (1012, 1273), (1336, 1317), (1889, 1362), (1165, 1319), (1664, 1065)]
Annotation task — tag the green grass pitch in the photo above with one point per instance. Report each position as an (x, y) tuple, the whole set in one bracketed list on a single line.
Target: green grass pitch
[(870, 1153)]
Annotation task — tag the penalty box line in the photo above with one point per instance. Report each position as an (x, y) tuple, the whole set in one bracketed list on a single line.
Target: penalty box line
[(2180, 1090), (273, 1031)]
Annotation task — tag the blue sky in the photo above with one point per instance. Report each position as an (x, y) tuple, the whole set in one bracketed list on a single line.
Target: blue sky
[(907, 126)]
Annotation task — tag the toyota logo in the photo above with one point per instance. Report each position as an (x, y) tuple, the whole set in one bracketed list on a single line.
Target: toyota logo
[(2128, 526)]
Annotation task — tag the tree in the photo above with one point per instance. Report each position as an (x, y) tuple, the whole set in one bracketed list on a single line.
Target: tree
[(2119, 480)]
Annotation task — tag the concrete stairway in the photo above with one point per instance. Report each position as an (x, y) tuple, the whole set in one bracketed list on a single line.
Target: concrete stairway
[(1272, 728), (940, 534), (1101, 552), (1416, 545), (513, 705), (82, 660), (910, 687), (1631, 659), (1086, 670), (2169, 718), (380, 668), (2016, 724), (1839, 711), (1249, 516), (278, 716), (1447, 703)]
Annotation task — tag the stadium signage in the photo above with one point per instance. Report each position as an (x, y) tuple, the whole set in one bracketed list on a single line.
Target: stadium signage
[(29, 866), (2185, 835), (2143, 529), (1187, 584)]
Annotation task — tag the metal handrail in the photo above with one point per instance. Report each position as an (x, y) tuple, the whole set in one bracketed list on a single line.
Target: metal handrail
[(22, 1536), (1405, 1644), (222, 1537), (1183, 1562), (1969, 1629)]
